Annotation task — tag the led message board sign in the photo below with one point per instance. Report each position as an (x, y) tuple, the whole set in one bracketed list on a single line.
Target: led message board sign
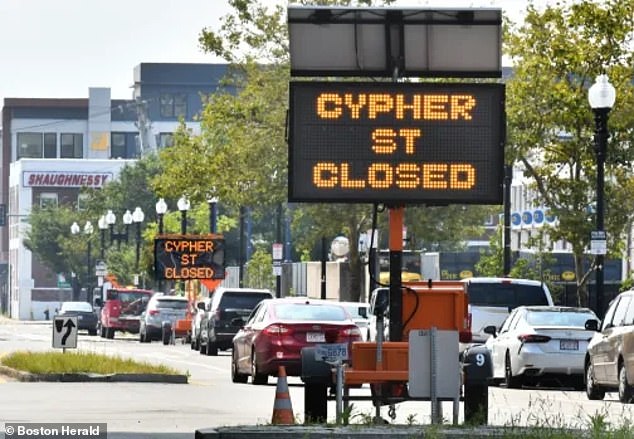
[(396, 143), (187, 257)]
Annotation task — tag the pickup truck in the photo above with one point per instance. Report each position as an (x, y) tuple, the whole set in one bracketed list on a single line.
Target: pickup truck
[(121, 311)]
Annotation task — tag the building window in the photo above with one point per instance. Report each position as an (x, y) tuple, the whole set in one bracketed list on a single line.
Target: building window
[(72, 146), (166, 140), (180, 105), (50, 145), (173, 105), (82, 201), (117, 148), (48, 199), (29, 145)]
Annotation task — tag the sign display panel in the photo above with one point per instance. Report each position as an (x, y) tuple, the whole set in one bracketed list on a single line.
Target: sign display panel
[(187, 257), (396, 143)]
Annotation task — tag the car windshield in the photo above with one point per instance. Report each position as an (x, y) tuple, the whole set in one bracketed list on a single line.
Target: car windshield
[(302, 311), (558, 318), (171, 303), (506, 295), (241, 300), (76, 306)]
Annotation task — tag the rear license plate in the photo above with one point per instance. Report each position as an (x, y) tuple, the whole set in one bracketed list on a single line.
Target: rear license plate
[(315, 337), (569, 345)]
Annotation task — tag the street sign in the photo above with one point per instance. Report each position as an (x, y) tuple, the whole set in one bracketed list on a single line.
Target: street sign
[(331, 352), (101, 269), (187, 257), (278, 251), (368, 142), (65, 332), (598, 242)]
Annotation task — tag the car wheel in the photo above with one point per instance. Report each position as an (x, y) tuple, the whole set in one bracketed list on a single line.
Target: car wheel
[(92, 332), (593, 391), (625, 389), (102, 331), (256, 377), (236, 376), (110, 333), (141, 336), (212, 348), (197, 343), (166, 336), (512, 382)]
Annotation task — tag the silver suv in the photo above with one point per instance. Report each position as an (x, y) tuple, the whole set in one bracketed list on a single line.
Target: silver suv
[(160, 317), (491, 299)]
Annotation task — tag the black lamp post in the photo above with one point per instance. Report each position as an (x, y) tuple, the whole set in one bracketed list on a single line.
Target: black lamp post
[(213, 214), (601, 97), (161, 209), (111, 219), (137, 217), (183, 207), (103, 226), (88, 229)]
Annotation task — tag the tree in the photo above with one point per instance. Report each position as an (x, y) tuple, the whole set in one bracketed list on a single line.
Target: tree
[(557, 53)]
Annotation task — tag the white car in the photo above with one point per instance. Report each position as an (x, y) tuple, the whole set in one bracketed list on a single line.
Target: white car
[(360, 314), (201, 308), (492, 298), (538, 341)]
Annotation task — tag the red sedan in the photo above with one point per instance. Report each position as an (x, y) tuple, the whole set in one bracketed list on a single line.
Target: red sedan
[(278, 329)]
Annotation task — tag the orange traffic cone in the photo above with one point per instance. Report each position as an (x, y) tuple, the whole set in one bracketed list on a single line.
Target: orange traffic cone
[(282, 408)]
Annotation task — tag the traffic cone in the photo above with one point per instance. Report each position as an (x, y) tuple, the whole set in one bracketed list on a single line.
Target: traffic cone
[(282, 408)]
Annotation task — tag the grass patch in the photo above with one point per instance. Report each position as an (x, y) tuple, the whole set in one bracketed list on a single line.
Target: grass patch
[(79, 362)]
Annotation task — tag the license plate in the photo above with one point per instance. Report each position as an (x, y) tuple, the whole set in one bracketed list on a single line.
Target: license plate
[(315, 337), (569, 345)]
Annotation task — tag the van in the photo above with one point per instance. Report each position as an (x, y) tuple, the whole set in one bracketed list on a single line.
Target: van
[(491, 299)]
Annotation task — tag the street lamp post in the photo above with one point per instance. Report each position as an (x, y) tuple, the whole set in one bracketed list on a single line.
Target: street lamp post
[(183, 207), (88, 230), (111, 219), (213, 214), (103, 226), (601, 97), (138, 216), (161, 209)]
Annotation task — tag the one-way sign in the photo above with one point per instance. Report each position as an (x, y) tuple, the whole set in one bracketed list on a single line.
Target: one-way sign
[(65, 332)]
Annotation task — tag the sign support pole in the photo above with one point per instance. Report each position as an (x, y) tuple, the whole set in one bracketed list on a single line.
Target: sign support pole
[(396, 215)]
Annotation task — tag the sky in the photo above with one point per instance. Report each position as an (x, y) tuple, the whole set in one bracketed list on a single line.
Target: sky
[(60, 48)]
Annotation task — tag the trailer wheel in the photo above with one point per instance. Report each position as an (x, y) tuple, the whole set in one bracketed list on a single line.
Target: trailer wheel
[(476, 404)]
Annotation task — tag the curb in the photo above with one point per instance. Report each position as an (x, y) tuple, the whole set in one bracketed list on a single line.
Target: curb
[(93, 377), (367, 432)]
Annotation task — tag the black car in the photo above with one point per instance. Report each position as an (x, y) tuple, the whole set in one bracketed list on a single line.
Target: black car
[(86, 317), (229, 309)]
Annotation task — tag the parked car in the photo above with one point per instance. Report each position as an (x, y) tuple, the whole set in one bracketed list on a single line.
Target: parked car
[(86, 316), (540, 341), (228, 311), (360, 315), (202, 307), (491, 299), (609, 363), (160, 316), (278, 329)]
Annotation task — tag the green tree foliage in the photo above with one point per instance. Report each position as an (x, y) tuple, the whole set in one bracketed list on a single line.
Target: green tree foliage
[(48, 237), (557, 53)]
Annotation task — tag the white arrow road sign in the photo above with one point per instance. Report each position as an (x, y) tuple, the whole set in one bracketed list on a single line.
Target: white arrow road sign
[(65, 332)]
